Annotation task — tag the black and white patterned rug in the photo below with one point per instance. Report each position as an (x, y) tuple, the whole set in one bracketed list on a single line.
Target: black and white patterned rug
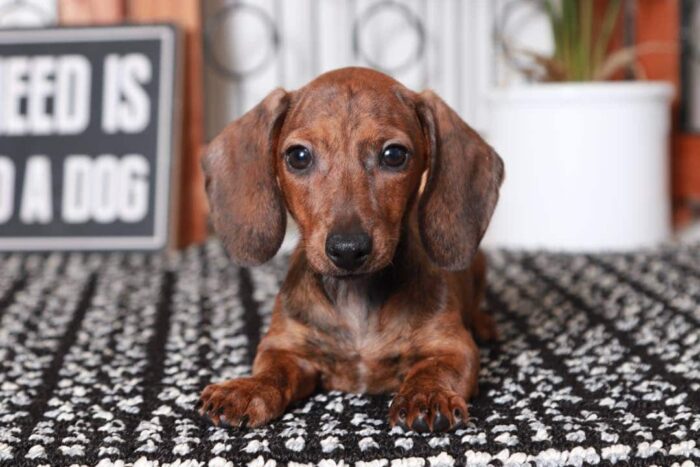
[(102, 358)]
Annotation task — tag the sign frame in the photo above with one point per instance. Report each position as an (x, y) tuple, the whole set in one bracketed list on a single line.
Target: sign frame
[(167, 155)]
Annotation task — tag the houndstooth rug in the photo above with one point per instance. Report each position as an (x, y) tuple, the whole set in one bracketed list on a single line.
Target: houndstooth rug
[(102, 358)]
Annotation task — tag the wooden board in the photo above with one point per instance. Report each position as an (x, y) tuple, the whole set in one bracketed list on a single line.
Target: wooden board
[(659, 21), (186, 14), (91, 12)]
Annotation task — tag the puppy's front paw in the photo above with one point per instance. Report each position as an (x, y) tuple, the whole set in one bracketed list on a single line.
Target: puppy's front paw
[(427, 409), (244, 402), (485, 327)]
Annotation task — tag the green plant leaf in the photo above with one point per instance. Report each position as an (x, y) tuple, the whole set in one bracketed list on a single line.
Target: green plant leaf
[(612, 12), (581, 51), (556, 26), (568, 12), (585, 45), (627, 57)]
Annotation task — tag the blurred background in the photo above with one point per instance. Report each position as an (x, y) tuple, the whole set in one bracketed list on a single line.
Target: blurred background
[(594, 105)]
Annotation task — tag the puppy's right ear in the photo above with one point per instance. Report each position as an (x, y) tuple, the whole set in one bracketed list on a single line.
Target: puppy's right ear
[(239, 165)]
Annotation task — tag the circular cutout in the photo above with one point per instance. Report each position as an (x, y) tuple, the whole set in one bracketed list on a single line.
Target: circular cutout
[(257, 29), (408, 29), (519, 18), (22, 14)]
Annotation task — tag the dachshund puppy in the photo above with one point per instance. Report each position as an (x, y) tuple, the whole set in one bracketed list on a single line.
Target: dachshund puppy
[(392, 193)]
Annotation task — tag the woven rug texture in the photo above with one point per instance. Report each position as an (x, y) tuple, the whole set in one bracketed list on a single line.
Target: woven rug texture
[(103, 356)]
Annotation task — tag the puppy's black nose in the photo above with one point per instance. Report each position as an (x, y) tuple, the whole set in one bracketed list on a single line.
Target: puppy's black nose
[(348, 250)]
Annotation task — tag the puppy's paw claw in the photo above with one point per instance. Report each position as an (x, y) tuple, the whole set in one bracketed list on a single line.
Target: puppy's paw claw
[(420, 425), (241, 403), (427, 410), (441, 423)]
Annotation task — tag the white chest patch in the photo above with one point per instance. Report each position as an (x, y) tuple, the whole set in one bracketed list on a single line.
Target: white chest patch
[(352, 304)]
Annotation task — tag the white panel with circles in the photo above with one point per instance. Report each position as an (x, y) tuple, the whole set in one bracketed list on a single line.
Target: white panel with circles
[(27, 13), (253, 46)]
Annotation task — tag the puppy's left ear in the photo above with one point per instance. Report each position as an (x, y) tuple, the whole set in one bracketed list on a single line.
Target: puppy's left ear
[(464, 177)]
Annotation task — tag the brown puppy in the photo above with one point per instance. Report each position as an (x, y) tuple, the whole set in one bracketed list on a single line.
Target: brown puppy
[(369, 304)]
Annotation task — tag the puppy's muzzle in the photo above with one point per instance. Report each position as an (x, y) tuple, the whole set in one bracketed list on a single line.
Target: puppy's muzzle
[(348, 251)]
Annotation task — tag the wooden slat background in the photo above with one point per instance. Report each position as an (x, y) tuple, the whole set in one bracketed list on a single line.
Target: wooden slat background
[(86, 12), (659, 21)]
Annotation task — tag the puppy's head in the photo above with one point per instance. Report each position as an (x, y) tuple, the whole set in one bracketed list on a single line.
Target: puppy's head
[(346, 153)]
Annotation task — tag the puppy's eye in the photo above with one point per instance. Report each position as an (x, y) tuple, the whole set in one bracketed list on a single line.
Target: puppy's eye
[(298, 157), (394, 156)]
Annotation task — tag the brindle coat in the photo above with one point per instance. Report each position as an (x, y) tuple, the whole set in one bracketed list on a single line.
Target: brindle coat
[(402, 322)]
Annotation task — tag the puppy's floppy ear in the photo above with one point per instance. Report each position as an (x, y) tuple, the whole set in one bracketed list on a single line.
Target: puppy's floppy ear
[(464, 177), (239, 165)]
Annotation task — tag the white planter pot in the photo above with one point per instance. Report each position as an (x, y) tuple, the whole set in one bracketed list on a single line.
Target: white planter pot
[(587, 166)]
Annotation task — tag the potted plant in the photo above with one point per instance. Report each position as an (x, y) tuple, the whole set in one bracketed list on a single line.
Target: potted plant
[(587, 159)]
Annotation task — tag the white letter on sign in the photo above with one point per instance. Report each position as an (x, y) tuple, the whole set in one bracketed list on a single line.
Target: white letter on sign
[(14, 90), (76, 189), (40, 88), (72, 94), (105, 189), (125, 104), (134, 188), (7, 188), (36, 193)]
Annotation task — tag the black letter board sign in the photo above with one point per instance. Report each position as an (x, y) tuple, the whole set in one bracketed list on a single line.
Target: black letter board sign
[(86, 137)]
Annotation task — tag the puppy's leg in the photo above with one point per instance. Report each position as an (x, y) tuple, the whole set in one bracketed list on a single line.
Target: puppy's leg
[(474, 315), (434, 394), (279, 378)]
